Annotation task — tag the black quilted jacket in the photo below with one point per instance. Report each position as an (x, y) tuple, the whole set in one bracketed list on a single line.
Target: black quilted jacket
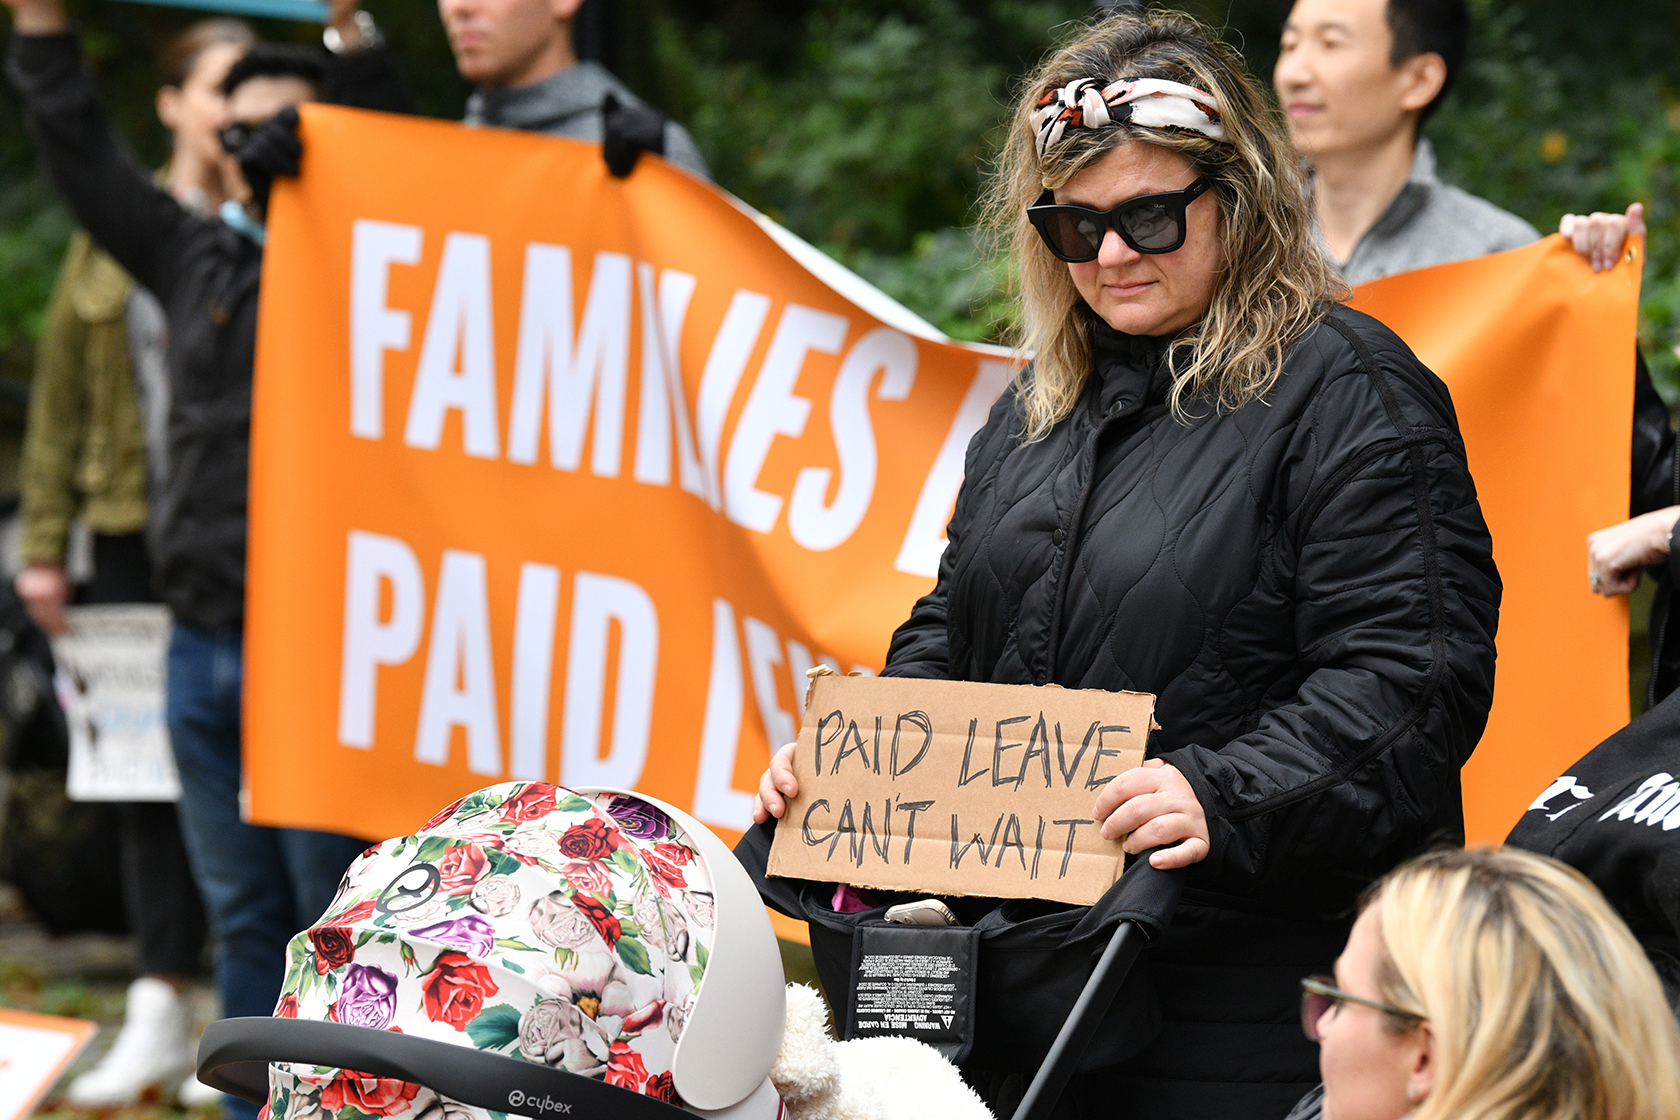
[(1306, 584)]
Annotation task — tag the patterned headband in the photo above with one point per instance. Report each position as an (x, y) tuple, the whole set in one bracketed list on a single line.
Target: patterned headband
[(1146, 102)]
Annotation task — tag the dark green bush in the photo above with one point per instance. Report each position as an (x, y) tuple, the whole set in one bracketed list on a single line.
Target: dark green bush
[(864, 126)]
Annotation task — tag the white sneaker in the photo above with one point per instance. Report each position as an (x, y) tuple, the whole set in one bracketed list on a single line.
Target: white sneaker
[(154, 1048), (196, 1094)]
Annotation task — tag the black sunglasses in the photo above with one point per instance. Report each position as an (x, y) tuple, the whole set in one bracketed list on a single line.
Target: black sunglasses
[(1319, 994), (1150, 223), (235, 136)]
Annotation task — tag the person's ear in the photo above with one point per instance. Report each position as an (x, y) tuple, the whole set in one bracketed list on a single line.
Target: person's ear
[(1422, 78), (1421, 1078), (169, 106), (564, 9)]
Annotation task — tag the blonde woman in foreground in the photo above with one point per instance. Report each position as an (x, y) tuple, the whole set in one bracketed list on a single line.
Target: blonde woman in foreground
[(1491, 985)]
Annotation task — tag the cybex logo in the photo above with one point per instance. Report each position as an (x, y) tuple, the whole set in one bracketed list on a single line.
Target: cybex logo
[(410, 890), (533, 1106)]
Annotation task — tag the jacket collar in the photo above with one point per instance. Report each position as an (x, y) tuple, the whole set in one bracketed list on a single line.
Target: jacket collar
[(1130, 369), (540, 106)]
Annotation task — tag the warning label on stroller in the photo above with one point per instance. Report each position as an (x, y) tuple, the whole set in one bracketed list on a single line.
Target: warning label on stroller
[(915, 982)]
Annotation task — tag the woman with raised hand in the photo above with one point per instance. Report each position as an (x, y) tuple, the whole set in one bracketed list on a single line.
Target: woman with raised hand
[(1213, 484), (1491, 985)]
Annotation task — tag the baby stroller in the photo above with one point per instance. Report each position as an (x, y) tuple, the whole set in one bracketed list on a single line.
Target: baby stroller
[(531, 950), (1055, 990)]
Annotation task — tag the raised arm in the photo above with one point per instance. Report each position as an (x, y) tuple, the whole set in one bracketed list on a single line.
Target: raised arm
[(110, 193)]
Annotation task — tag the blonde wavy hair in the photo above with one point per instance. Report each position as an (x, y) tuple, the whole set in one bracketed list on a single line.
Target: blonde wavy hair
[(1542, 1004), (1275, 282)]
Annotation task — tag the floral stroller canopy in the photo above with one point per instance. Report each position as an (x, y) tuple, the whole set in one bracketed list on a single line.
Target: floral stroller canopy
[(568, 929)]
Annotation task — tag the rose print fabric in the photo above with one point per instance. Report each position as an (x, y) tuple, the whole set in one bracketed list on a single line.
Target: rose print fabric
[(524, 919)]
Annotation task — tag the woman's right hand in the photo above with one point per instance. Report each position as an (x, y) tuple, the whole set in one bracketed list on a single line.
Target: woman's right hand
[(45, 592), (777, 784)]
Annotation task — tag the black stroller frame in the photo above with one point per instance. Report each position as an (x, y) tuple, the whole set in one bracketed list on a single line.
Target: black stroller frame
[(1093, 1003), (1033, 953)]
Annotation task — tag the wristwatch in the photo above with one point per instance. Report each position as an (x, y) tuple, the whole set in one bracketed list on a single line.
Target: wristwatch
[(369, 35)]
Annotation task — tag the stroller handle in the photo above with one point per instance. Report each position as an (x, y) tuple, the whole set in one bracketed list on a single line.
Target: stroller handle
[(235, 1053), (1094, 1000), (1162, 889)]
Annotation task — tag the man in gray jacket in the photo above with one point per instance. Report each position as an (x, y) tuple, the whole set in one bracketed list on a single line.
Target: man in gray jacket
[(1358, 79), (519, 54)]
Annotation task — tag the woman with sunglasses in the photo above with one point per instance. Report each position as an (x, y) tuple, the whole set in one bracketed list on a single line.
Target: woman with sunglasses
[(1488, 985), (1213, 484)]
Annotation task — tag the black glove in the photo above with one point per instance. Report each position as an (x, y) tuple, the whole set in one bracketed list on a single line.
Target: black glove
[(273, 149), (627, 131)]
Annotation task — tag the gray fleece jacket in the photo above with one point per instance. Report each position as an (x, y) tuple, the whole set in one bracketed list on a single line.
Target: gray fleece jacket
[(1431, 223), (568, 103)]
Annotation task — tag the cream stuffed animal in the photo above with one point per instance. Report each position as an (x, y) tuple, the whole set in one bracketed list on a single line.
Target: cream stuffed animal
[(866, 1078)]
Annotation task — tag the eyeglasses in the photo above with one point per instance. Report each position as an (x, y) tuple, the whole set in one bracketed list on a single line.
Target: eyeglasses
[(1319, 994), (1150, 223), (235, 136)]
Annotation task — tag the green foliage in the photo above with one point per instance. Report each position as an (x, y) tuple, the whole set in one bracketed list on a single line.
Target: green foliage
[(948, 277), (865, 126), (500, 862), (33, 232), (865, 129)]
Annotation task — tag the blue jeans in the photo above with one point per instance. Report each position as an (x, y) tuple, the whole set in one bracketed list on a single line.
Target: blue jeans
[(260, 885)]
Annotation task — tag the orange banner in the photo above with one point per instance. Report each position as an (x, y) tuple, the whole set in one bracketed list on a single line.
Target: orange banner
[(567, 477), (1538, 352)]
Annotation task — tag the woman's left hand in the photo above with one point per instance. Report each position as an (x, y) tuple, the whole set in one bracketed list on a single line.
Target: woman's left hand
[(1151, 806)]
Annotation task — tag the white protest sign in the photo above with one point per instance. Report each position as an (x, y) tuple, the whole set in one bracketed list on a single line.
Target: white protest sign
[(110, 682)]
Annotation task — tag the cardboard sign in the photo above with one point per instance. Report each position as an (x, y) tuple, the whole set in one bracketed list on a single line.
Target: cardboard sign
[(34, 1051), (958, 788), (109, 681)]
